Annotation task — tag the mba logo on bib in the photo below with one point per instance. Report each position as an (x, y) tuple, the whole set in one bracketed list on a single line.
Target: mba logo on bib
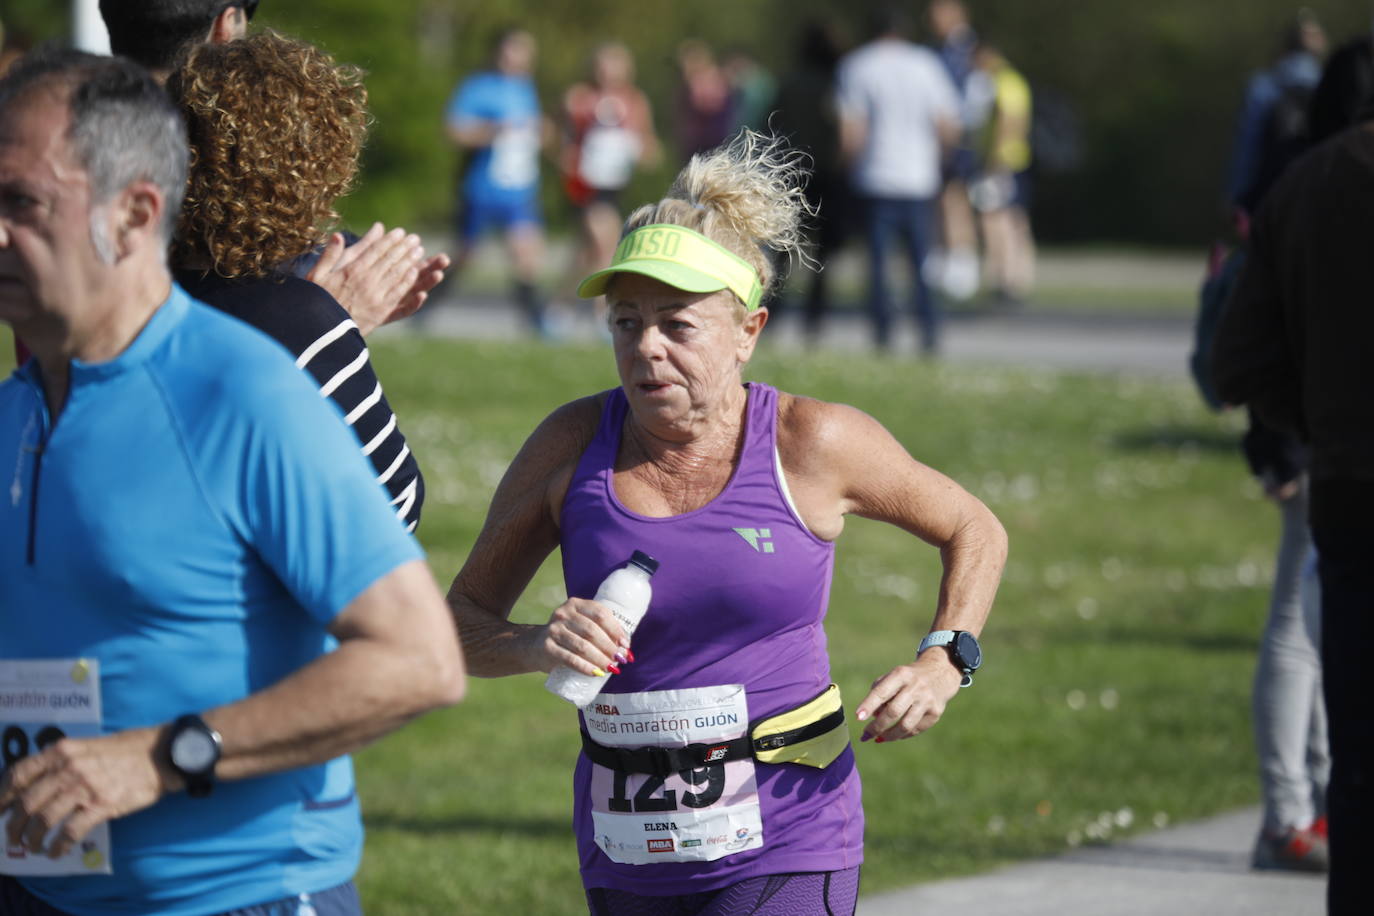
[(758, 538)]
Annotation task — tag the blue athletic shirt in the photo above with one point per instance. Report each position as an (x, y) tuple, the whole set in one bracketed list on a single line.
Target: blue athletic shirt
[(509, 166), (197, 517)]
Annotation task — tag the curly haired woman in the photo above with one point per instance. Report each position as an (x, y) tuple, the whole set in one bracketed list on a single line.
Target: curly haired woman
[(276, 127)]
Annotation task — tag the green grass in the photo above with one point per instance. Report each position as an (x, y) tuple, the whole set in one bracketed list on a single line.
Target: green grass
[(1119, 654)]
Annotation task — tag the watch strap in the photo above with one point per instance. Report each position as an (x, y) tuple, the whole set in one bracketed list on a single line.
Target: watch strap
[(937, 638), (946, 638)]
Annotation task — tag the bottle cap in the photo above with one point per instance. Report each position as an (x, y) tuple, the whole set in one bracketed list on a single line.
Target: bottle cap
[(644, 561)]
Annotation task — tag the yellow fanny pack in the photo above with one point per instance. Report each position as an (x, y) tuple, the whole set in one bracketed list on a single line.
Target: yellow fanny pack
[(812, 734)]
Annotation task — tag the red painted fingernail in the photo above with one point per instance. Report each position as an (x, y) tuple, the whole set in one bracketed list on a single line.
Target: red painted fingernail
[(630, 655), (879, 740), (614, 669)]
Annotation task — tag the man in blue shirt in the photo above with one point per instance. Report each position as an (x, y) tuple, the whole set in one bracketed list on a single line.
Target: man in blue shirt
[(205, 602), (494, 118)]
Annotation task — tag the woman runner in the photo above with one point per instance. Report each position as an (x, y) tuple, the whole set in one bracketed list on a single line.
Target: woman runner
[(687, 800)]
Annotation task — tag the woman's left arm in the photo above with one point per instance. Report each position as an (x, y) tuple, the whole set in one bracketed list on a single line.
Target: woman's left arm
[(855, 466)]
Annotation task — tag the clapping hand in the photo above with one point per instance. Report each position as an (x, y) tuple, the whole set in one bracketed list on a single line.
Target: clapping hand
[(381, 278)]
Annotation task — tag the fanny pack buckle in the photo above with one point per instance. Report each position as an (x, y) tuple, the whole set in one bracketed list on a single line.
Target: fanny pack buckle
[(770, 742)]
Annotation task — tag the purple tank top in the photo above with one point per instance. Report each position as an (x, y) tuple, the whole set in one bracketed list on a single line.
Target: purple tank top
[(739, 598)]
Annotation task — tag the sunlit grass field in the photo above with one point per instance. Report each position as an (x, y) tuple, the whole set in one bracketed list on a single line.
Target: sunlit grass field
[(1115, 694)]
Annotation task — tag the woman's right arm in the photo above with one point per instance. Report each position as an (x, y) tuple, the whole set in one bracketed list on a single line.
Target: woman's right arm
[(520, 531)]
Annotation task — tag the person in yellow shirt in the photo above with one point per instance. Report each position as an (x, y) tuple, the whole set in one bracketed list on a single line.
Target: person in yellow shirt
[(1000, 194)]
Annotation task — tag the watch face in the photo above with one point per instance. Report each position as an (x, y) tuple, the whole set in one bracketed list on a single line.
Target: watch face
[(966, 647), (194, 751)]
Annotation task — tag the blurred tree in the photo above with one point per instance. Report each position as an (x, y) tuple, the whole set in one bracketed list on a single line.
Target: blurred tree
[(1156, 86), (29, 22)]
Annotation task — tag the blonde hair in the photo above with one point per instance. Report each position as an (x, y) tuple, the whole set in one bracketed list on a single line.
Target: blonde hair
[(745, 196)]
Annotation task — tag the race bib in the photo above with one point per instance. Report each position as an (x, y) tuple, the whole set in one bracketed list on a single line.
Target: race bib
[(42, 702), (515, 156), (608, 157), (693, 815)]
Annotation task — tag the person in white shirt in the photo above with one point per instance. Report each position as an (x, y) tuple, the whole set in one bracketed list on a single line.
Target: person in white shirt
[(899, 112)]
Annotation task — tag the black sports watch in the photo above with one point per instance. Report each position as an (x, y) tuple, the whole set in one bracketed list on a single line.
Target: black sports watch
[(964, 651), (193, 749)]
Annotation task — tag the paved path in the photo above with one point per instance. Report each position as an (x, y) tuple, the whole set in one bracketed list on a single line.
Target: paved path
[(1199, 868), (1151, 346)]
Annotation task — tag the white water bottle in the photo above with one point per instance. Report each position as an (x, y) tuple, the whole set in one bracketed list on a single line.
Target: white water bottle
[(626, 593)]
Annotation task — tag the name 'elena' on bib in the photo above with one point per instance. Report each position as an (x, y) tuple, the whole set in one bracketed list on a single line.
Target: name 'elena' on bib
[(43, 701), (690, 816)]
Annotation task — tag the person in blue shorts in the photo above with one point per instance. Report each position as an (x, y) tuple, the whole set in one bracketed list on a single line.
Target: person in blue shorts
[(205, 601), (494, 118)]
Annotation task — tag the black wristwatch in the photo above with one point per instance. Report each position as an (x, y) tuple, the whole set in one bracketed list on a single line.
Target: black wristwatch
[(964, 651), (193, 749)]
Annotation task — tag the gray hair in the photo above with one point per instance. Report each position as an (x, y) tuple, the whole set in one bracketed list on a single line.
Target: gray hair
[(123, 126)]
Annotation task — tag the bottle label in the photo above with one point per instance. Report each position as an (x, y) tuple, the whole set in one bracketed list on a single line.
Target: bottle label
[(691, 816)]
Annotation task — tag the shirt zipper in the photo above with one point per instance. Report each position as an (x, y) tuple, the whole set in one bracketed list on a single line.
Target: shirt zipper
[(44, 434), (33, 502)]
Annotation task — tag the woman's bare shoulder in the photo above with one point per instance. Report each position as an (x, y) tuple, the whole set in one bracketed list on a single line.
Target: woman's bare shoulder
[(810, 429), (550, 455), (569, 429)]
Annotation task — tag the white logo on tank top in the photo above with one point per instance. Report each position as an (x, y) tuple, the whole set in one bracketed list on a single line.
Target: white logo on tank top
[(758, 538)]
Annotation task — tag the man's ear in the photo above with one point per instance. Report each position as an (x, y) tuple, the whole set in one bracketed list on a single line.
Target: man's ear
[(136, 218), (229, 25)]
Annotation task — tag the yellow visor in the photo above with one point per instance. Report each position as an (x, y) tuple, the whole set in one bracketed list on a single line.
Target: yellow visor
[(681, 258)]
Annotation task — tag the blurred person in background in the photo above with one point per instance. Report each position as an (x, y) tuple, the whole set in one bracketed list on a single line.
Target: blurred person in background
[(608, 132), (494, 119), (753, 88), (899, 113), (952, 265), (806, 112), (1271, 126), (276, 128), (705, 111), (1289, 712), (717, 812), (1293, 343), (1001, 191)]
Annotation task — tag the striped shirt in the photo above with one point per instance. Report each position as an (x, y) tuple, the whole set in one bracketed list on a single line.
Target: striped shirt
[(327, 344)]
